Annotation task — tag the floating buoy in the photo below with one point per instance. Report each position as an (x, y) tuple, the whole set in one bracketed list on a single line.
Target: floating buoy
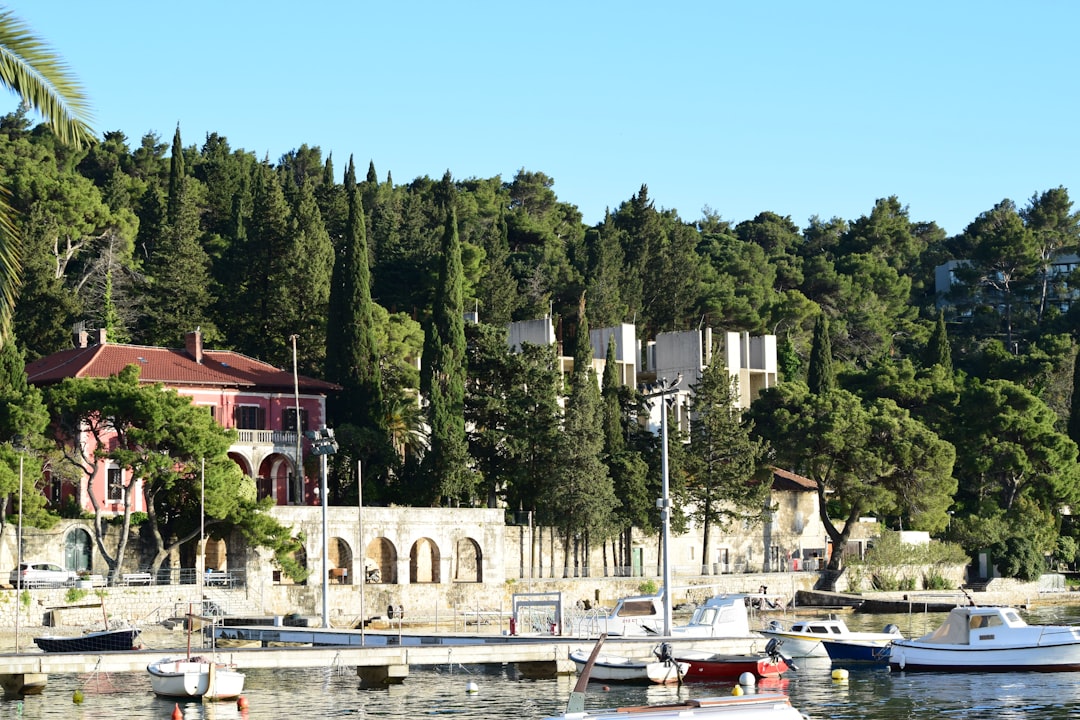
[(77, 696), (607, 688), (839, 674), (471, 687), (177, 713), (736, 690), (748, 679), (242, 703)]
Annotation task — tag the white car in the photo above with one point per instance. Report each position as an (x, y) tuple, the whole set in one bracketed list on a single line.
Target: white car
[(40, 574)]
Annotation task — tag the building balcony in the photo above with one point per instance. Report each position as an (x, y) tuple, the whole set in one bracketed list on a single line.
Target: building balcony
[(278, 441)]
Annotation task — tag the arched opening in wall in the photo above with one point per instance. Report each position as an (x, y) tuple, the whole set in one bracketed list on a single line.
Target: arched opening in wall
[(300, 556), (380, 559), (340, 561), (263, 490), (77, 550), (468, 561), (274, 474), (424, 562)]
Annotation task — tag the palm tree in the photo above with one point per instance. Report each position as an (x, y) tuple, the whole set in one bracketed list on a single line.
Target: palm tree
[(41, 79)]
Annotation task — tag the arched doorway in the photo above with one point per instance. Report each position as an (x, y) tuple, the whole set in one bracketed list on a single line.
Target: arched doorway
[(424, 562), (340, 561), (380, 558), (468, 561), (77, 550)]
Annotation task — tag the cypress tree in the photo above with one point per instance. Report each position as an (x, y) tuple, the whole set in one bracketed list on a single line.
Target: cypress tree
[(820, 376), (443, 377), (937, 349), (1074, 408), (176, 178)]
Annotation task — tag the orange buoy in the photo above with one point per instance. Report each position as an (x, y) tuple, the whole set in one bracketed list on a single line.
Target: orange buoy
[(177, 714), (242, 703)]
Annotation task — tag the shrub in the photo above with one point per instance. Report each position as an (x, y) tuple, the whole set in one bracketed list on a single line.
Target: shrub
[(649, 587)]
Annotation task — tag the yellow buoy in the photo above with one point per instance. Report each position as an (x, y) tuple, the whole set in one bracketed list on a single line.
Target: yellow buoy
[(736, 690), (77, 696), (839, 674)]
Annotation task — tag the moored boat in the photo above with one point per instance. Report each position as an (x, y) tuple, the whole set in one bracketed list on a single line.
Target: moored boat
[(119, 639), (773, 706), (729, 666), (614, 668), (803, 638), (195, 677), (857, 651), (989, 639)]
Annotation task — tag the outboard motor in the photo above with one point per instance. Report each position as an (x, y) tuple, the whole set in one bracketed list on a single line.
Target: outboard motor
[(663, 653), (772, 649), (892, 628)]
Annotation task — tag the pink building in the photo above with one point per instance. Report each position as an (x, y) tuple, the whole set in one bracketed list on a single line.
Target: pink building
[(257, 399)]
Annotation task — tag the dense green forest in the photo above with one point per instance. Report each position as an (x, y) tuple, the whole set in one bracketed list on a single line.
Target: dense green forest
[(954, 419)]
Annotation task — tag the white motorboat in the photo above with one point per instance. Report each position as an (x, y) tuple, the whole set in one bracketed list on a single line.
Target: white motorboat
[(195, 677), (803, 638), (614, 668), (721, 616), (989, 639)]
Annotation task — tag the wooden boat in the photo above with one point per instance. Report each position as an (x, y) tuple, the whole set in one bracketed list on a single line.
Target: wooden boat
[(613, 668), (722, 666), (746, 707), (857, 651), (989, 639), (90, 642), (803, 638), (195, 677)]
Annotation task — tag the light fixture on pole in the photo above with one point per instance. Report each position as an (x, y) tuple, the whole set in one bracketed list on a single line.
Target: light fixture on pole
[(323, 444), (661, 389)]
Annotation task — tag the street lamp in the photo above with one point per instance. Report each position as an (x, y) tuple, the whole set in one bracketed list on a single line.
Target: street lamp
[(661, 389), (323, 444)]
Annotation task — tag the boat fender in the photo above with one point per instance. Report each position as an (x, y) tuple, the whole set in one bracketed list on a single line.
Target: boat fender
[(177, 713)]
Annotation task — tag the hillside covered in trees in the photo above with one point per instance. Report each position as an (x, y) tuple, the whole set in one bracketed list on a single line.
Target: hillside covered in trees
[(957, 419)]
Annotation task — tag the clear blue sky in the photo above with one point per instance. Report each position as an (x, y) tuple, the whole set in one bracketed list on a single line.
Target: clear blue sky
[(800, 108)]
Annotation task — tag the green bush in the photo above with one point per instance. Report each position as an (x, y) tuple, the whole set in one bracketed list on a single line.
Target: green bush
[(1018, 558), (936, 581), (649, 587)]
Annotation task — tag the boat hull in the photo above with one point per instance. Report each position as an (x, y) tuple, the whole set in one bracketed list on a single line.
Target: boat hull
[(707, 667), (910, 657), (103, 641), (853, 651), (195, 678), (616, 669)]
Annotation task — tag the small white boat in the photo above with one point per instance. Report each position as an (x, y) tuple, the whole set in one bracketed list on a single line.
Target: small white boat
[(989, 639), (803, 638), (614, 668), (195, 677), (734, 707)]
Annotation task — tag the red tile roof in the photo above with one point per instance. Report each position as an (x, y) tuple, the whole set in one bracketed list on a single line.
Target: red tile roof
[(786, 480), (172, 367)]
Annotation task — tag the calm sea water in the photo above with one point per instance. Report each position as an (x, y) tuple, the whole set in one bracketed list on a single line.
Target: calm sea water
[(334, 692)]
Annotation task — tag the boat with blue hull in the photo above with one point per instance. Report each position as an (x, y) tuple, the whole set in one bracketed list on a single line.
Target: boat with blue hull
[(857, 651)]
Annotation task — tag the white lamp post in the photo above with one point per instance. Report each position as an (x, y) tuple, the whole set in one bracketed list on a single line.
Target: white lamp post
[(323, 444)]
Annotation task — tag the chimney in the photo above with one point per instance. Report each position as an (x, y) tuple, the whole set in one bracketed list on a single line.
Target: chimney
[(101, 336), (193, 345), (81, 337)]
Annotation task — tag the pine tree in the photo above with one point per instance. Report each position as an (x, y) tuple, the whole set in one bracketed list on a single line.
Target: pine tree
[(937, 349), (820, 376), (582, 496), (443, 378), (722, 457), (355, 363), (1074, 407)]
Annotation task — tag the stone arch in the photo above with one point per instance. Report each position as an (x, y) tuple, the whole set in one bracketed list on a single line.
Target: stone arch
[(77, 549), (424, 560), (340, 560), (215, 555), (273, 479), (381, 555), (468, 561)]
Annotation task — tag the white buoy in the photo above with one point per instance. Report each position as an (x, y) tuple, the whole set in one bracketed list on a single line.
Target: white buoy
[(839, 674), (748, 679), (471, 687)]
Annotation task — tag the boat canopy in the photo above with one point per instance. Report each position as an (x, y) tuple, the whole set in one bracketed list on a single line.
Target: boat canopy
[(961, 620)]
